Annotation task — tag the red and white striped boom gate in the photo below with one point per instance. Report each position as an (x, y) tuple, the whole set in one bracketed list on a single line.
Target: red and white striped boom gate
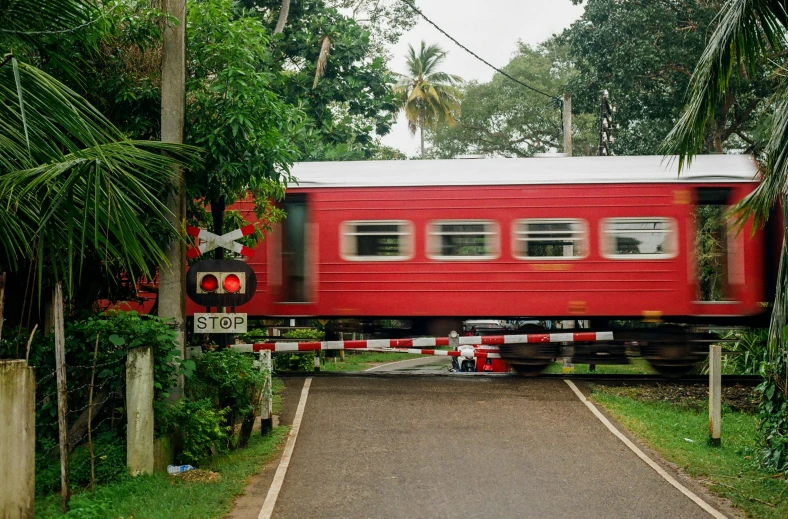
[(487, 345)]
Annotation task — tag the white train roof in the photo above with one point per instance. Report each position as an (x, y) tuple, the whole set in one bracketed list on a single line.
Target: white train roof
[(547, 170)]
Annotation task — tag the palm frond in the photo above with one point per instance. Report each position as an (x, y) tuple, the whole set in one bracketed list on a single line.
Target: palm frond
[(746, 28), (23, 16)]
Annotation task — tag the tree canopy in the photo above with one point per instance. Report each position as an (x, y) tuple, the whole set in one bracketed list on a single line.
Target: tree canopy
[(503, 118), (644, 52)]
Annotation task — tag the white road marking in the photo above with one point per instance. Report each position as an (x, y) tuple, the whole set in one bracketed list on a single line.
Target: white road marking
[(284, 463), (390, 363), (651, 463)]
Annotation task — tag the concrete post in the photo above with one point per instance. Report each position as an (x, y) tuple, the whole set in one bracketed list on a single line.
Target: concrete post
[(17, 439), (266, 403), (317, 361), (139, 408), (715, 394)]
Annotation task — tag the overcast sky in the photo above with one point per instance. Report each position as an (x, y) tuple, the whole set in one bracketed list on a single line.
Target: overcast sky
[(490, 28)]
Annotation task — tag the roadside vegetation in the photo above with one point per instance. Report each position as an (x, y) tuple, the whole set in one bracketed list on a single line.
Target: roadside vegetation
[(206, 493), (677, 428)]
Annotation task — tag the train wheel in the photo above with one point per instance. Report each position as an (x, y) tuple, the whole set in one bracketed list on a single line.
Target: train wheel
[(529, 359), (673, 360)]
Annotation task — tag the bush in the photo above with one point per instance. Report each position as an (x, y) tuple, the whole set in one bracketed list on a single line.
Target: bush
[(198, 428), (110, 459), (299, 361), (230, 381)]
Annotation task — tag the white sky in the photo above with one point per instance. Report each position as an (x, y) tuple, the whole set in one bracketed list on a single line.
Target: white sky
[(490, 28)]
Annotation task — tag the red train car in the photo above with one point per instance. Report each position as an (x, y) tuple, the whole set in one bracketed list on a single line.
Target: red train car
[(540, 238)]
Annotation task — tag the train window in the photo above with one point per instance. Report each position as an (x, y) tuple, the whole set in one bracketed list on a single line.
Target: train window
[(462, 239), (549, 239), (383, 240), (631, 238)]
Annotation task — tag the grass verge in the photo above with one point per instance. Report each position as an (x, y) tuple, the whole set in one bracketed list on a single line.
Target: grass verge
[(679, 433), (361, 361), (202, 495)]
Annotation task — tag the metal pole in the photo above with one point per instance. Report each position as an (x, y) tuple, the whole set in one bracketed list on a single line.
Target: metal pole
[(715, 395), (567, 124)]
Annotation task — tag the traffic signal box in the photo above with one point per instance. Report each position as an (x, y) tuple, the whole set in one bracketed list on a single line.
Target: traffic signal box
[(214, 283)]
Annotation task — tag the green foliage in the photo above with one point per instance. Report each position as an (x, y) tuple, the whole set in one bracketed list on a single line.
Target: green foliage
[(199, 428), (75, 184), (502, 118), (644, 53), (299, 361), (247, 131), (773, 415), (110, 459), (428, 96), (710, 252), (352, 102), (229, 380), (117, 333)]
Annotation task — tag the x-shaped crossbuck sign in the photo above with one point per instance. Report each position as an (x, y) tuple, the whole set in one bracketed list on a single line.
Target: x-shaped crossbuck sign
[(212, 241)]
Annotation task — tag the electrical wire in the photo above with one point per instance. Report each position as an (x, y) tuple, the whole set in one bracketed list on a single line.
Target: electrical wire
[(466, 49)]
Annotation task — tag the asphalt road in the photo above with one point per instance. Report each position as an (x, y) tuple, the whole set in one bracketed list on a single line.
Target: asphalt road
[(414, 447)]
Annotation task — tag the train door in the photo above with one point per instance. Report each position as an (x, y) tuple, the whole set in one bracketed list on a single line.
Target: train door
[(295, 278), (715, 245)]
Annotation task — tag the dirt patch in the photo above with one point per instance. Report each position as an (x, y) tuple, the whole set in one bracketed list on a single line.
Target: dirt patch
[(738, 398), (198, 476)]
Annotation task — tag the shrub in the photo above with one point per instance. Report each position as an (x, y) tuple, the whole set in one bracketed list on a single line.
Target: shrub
[(229, 380), (198, 428), (299, 361)]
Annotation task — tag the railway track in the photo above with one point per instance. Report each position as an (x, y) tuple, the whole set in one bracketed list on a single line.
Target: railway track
[(727, 380)]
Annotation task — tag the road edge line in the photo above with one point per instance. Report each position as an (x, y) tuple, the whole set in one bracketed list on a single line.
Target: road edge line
[(373, 368), (276, 485), (642, 455)]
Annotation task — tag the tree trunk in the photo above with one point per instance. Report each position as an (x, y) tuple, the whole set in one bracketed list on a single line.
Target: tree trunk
[(422, 139), (283, 12), (218, 206), (80, 427), (172, 278)]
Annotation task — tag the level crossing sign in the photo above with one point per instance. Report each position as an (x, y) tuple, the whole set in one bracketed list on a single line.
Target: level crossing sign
[(219, 323), (211, 241)]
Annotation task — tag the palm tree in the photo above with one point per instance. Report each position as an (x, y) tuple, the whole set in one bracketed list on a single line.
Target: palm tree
[(71, 183), (749, 32), (427, 95)]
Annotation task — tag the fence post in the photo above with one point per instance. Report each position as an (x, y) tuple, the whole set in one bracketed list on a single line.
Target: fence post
[(17, 439), (266, 405), (317, 361), (139, 408), (62, 394), (715, 395)]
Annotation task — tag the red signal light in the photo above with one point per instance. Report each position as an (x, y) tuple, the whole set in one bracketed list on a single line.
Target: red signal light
[(209, 283), (232, 283)]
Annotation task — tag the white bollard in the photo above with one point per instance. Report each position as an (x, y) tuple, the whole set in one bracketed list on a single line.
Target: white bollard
[(715, 395), (266, 404)]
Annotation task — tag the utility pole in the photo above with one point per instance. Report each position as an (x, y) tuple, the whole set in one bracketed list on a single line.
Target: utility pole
[(567, 124), (172, 277), (606, 111)]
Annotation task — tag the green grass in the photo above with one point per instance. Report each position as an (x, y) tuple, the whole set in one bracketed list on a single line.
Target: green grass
[(161, 495), (361, 361), (635, 367), (680, 435)]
